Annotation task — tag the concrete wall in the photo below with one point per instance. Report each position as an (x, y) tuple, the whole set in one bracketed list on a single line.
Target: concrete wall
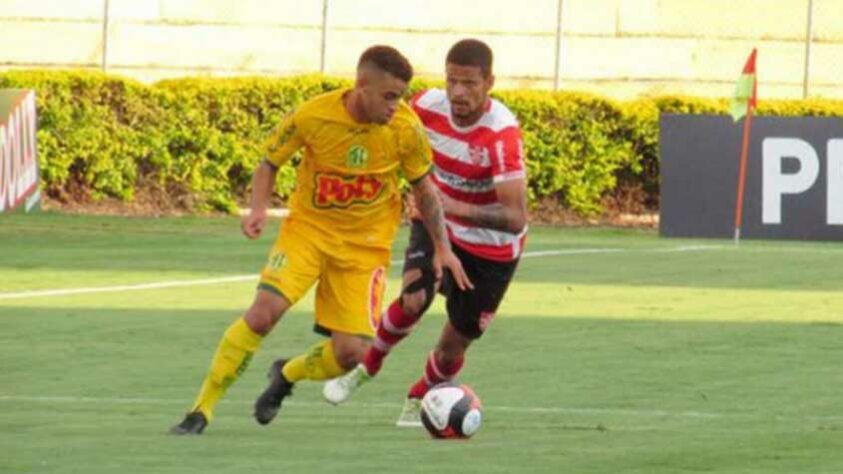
[(622, 48)]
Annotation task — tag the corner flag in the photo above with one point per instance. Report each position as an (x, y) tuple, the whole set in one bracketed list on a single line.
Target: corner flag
[(743, 103), (746, 91)]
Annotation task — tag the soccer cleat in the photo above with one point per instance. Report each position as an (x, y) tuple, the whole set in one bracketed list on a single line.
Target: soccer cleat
[(193, 423), (269, 402), (411, 414), (339, 389)]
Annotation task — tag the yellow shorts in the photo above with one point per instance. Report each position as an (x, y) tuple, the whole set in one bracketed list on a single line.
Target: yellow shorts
[(351, 279)]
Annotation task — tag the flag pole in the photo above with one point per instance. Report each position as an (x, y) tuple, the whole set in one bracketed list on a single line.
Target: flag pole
[(742, 174), (746, 95)]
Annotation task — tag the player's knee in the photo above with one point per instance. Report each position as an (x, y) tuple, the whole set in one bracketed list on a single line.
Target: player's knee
[(261, 318), (266, 311), (258, 321), (418, 295), (415, 303)]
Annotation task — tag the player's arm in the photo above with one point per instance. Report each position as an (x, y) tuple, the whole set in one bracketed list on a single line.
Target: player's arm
[(263, 182), (508, 215), (430, 210), (281, 145)]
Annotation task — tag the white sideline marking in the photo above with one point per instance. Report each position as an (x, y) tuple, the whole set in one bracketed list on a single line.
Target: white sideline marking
[(275, 212), (535, 410), (109, 289), (239, 278)]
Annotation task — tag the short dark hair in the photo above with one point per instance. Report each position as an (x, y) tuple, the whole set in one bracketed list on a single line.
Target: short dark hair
[(387, 59), (471, 52)]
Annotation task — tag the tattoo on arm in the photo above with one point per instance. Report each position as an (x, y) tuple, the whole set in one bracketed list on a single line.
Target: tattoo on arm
[(496, 216), (431, 212), (509, 214)]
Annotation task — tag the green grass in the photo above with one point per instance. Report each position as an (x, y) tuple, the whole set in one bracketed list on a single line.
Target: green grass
[(634, 358)]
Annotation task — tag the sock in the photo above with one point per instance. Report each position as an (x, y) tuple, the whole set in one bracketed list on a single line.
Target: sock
[(233, 355), (434, 374), (318, 363), (394, 326)]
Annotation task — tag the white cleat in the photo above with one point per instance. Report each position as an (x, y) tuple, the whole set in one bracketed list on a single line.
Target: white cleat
[(339, 389), (411, 414)]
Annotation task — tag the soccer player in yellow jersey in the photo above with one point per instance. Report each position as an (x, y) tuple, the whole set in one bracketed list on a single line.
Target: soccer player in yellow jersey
[(344, 214)]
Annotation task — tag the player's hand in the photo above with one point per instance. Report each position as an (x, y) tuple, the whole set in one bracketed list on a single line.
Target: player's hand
[(412, 209), (253, 223), (444, 258)]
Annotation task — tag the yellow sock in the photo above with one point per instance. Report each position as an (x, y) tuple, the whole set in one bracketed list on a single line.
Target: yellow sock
[(233, 355), (318, 363)]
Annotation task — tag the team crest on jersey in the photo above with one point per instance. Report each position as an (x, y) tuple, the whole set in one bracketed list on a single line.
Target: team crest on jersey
[(343, 191), (357, 157), (476, 155)]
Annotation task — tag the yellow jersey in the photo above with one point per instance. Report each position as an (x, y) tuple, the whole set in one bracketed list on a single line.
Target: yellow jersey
[(347, 181)]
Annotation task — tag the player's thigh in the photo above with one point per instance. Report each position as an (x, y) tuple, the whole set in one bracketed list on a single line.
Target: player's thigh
[(294, 264), (350, 300), (471, 311)]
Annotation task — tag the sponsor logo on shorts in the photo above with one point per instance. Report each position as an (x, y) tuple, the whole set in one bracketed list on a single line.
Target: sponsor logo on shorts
[(344, 191), (376, 287), (485, 320), (276, 261)]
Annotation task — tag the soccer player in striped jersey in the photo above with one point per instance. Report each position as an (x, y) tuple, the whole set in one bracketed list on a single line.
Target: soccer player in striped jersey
[(480, 174)]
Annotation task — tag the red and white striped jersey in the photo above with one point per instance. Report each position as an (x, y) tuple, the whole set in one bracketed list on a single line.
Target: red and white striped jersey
[(469, 161)]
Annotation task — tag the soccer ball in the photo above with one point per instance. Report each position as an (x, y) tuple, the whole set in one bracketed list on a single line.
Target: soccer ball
[(451, 410)]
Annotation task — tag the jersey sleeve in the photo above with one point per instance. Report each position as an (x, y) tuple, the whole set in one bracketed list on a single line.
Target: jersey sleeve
[(508, 156), (417, 157), (414, 101), (284, 141)]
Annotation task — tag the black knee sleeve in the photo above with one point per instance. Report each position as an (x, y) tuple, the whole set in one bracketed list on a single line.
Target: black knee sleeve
[(426, 282)]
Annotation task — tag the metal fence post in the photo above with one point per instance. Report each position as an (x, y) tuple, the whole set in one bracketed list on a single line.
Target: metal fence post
[(104, 65), (558, 62), (324, 42), (808, 38)]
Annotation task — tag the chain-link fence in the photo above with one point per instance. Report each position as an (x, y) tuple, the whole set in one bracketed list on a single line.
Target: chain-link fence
[(621, 48)]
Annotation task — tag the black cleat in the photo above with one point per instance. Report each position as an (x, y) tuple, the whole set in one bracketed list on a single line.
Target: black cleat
[(193, 423), (269, 402)]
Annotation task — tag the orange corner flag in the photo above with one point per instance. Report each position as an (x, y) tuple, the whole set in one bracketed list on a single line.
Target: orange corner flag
[(746, 92)]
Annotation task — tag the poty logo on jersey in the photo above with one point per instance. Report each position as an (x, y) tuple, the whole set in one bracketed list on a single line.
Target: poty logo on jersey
[(357, 157), (343, 191)]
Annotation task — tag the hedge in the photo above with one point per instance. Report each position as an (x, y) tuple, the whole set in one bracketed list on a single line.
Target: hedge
[(197, 141)]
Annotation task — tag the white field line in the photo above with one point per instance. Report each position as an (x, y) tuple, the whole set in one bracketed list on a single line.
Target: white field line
[(239, 278), (644, 413), (111, 289)]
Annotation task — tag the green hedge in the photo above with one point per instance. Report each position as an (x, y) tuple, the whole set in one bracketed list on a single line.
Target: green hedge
[(197, 141)]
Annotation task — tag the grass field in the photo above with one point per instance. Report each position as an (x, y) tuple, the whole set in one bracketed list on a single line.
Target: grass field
[(615, 351)]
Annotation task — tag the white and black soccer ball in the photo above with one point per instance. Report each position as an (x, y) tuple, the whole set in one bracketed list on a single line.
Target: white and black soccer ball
[(451, 410)]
